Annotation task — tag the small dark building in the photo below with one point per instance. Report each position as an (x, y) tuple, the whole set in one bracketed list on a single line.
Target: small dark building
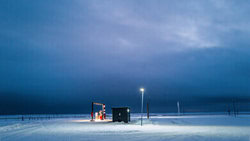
[(121, 114)]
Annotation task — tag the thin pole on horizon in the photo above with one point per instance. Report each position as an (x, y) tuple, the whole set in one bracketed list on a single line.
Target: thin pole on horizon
[(178, 107), (142, 92)]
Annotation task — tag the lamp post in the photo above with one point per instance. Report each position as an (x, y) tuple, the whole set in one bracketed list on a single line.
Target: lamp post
[(142, 92)]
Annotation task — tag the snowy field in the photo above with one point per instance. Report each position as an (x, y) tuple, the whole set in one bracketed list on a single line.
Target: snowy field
[(159, 128)]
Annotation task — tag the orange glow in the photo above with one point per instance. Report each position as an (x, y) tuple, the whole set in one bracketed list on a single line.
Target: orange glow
[(85, 120)]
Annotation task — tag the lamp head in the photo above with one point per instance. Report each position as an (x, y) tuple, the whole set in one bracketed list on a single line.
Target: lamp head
[(142, 89)]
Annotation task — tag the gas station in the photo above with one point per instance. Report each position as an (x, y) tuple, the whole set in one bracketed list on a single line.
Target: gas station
[(99, 115), (119, 114)]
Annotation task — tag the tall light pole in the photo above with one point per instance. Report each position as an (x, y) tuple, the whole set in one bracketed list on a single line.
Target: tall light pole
[(142, 92), (178, 107)]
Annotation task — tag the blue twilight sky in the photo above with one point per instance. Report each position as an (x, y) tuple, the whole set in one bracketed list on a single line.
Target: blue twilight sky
[(57, 56)]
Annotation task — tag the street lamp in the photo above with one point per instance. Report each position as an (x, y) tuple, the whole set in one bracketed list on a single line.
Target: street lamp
[(142, 92)]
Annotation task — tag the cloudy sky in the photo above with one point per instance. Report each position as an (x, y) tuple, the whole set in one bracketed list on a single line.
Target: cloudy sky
[(58, 56)]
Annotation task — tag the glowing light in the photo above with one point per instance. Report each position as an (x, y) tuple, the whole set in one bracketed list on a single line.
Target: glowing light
[(142, 89)]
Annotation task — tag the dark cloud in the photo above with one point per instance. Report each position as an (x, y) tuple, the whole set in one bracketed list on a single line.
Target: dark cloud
[(59, 56)]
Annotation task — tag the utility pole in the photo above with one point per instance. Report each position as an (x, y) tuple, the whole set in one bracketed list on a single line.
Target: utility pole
[(92, 111), (178, 107), (148, 110), (142, 92)]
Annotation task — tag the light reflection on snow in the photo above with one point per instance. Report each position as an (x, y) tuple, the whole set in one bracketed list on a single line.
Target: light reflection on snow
[(87, 120)]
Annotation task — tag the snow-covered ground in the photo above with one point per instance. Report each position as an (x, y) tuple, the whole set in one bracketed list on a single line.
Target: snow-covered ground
[(159, 128)]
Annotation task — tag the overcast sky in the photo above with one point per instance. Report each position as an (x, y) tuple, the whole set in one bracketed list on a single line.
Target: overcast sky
[(60, 55)]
